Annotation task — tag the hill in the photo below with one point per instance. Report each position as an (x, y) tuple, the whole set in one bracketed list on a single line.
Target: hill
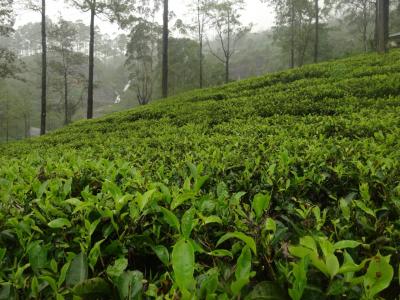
[(277, 187)]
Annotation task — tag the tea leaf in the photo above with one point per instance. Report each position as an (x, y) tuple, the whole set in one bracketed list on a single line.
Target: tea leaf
[(183, 264)]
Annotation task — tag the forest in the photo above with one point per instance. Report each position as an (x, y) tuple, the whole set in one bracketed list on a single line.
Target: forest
[(204, 159)]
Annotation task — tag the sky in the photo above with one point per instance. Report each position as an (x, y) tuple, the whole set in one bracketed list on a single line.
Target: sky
[(257, 13)]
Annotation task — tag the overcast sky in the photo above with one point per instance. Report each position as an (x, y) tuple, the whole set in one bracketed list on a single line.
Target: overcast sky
[(255, 12)]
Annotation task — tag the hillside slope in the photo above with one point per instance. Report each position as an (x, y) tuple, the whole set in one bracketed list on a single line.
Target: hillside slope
[(221, 192)]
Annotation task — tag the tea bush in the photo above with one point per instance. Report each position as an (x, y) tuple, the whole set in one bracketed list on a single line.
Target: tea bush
[(285, 186)]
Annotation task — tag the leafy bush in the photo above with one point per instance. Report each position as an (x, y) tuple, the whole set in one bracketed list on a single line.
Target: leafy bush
[(284, 186)]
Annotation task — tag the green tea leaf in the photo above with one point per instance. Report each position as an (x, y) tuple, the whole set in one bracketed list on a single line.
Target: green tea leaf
[(364, 208), (249, 241), (117, 268), (180, 199), (144, 200), (129, 284), (346, 244), (378, 276), (187, 222), (270, 225), (93, 288), (78, 270), (243, 269), (332, 265), (266, 290), (170, 218), (243, 266), (37, 256), (260, 204), (300, 278), (212, 219), (238, 285), (59, 223), (221, 253), (94, 254), (183, 264), (162, 253)]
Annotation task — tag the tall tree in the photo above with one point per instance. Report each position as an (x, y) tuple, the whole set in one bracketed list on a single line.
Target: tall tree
[(165, 50), (359, 14), (225, 18), (40, 6), (294, 27), (320, 11), (65, 62), (44, 71), (91, 61), (7, 57), (382, 25), (200, 8), (316, 40), (95, 7), (115, 11), (142, 53)]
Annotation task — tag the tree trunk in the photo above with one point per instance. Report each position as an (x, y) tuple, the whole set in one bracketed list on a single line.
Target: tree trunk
[(200, 28), (292, 15), (165, 51), (201, 62), (365, 26), (91, 62), (316, 42), (44, 72), (382, 26), (26, 124), (7, 120), (227, 70), (66, 107)]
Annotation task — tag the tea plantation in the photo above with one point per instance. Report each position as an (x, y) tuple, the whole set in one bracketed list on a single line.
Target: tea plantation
[(280, 187)]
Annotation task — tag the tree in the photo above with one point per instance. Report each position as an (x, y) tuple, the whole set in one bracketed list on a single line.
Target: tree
[(183, 65), (225, 18), (44, 71), (200, 7), (141, 55), (165, 50), (316, 40), (95, 7), (116, 11), (382, 25), (360, 15), (7, 58), (66, 62), (40, 6), (294, 26)]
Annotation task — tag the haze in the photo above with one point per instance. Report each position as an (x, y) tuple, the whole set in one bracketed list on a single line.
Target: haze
[(257, 13)]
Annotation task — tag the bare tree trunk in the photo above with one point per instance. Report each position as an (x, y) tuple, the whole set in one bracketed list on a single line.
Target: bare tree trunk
[(165, 51), (7, 120), (91, 62), (201, 63), (227, 70), (376, 26), (365, 25), (66, 106), (44, 72), (26, 124), (316, 42), (382, 26), (292, 15), (200, 24)]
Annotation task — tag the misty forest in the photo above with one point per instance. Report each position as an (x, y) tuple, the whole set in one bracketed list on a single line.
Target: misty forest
[(196, 156)]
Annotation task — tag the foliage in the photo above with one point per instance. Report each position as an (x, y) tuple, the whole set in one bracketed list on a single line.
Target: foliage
[(281, 186), (8, 59)]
